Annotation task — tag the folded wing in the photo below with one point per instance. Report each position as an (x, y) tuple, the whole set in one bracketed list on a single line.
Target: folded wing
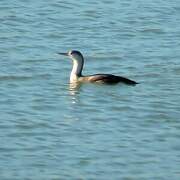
[(110, 79)]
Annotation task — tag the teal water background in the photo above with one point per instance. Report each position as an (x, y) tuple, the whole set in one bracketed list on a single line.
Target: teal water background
[(51, 131)]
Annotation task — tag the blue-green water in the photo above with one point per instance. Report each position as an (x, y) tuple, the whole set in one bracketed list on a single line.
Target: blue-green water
[(51, 131)]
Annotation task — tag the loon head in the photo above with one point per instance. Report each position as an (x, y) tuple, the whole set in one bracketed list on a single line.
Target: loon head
[(74, 55), (78, 62)]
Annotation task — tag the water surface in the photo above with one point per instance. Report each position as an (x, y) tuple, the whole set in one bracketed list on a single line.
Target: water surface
[(49, 130)]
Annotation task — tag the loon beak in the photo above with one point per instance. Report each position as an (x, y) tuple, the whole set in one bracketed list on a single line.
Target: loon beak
[(64, 54)]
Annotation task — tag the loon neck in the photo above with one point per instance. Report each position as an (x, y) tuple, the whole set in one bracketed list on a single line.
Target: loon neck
[(77, 69)]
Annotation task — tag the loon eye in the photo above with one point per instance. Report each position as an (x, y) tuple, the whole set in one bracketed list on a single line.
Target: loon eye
[(71, 53)]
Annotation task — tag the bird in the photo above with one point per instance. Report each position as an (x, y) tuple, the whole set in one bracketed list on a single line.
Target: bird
[(77, 77)]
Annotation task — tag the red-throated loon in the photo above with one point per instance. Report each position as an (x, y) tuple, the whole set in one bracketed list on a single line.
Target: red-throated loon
[(76, 73)]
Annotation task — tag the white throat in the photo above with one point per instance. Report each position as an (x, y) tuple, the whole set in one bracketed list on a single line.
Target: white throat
[(77, 69)]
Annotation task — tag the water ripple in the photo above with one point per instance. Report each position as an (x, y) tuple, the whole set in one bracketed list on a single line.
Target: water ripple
[(49, 127)]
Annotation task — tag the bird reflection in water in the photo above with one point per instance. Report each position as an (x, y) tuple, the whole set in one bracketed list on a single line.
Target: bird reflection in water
[(74, 88)]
